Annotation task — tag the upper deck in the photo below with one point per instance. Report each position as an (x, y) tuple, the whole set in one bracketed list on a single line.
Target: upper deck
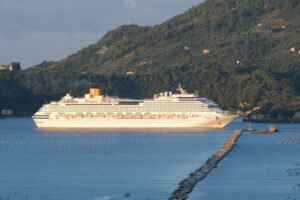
[(88, 99)]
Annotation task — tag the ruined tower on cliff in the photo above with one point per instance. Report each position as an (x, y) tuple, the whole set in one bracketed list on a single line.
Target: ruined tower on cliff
[(13, 67)]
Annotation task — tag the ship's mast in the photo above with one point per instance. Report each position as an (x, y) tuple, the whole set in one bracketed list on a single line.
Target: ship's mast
[(182, 91)]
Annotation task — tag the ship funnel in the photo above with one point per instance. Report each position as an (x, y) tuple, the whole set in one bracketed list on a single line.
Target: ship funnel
[(95, 92)]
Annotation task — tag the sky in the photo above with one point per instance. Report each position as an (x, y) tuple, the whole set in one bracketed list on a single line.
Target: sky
[(32, 31)]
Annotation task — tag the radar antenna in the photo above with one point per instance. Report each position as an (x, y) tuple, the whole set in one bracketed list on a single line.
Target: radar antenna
[(179, 86), (45, 99), (182, 91)]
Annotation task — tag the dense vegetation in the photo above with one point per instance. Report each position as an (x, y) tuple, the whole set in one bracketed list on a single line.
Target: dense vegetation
[(249, 61)]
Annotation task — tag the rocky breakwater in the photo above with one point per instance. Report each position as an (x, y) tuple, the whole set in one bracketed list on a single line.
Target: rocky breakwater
[(186, 186)]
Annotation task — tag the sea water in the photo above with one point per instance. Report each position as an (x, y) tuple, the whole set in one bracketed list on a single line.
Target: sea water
[(98, 165), (260, 167), (104, 165)]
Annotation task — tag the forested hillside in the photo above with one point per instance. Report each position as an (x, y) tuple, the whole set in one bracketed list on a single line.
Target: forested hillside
[(240, 53)]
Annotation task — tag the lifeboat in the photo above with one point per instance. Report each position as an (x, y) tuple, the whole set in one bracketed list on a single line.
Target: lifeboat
[(88, 116), (156, 116), (184, 116), (69, 116), (137, 116), (128, 116), (173, 116), (147, 116), (110, 116), (176, 116), (165, 116), (100, 116), (79, 116), (119, 116)]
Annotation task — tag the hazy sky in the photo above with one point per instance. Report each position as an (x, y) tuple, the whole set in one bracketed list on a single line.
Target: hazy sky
[(32, 31)]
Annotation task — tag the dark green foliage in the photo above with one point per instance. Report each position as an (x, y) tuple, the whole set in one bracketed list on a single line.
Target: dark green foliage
[(282, 111), (249, 61)]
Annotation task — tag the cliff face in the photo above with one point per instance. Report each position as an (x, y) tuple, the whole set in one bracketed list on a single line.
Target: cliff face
[(236, 52)]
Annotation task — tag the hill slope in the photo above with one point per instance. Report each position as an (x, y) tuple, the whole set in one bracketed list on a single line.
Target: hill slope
[(249, 61)]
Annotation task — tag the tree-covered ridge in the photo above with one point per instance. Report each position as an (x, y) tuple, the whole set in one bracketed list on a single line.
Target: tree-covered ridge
[(215, 24), (249, 62)]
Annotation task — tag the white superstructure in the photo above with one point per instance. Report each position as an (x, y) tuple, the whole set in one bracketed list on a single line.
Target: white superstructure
[(165, 110)]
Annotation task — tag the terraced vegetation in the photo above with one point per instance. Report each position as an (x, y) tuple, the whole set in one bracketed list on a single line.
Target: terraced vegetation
[(240, 53)]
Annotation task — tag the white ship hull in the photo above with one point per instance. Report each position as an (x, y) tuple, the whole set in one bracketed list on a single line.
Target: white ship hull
[(218, 122), (165, 110)]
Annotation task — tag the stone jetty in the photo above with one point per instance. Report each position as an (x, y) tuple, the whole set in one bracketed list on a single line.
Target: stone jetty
[(186, 186)]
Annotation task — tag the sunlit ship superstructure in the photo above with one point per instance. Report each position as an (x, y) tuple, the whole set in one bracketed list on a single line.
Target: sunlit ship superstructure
[(165, 110)]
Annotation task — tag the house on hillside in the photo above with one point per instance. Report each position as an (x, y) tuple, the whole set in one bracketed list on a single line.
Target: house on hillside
[(297, 115), (130, 73), (13, 67), (257, 116), (7, 112)]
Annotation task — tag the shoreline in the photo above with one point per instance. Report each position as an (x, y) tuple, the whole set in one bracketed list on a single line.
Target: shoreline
[(271, 120)]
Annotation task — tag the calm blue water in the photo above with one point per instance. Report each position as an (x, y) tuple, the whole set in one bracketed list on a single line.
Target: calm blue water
[(103, 165), (39, 164), (260, 167)]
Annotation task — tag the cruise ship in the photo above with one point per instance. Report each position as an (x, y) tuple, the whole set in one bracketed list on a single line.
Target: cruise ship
[(164, 110)]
